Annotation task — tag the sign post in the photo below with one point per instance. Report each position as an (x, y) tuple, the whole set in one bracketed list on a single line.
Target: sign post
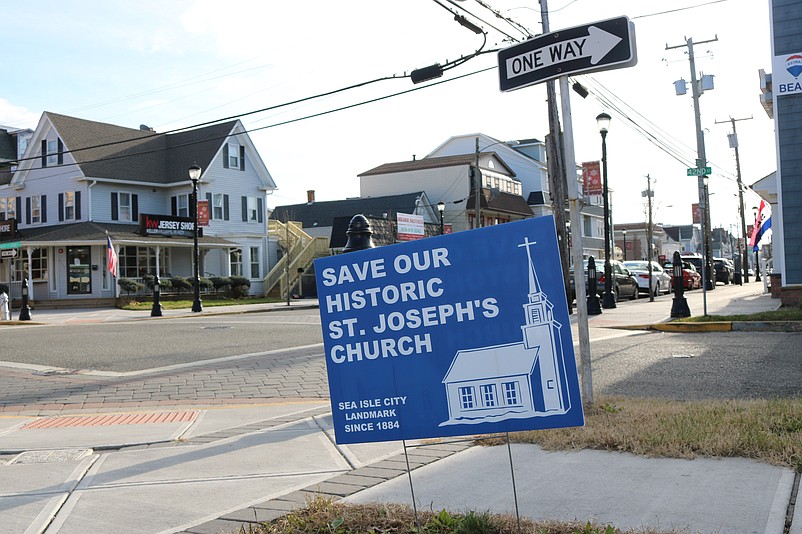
[(423, 339)]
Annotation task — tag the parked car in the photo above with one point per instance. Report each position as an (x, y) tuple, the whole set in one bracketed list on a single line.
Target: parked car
[(697, 261), (624, 285), (691, 279), (661, 280), (725, 270)]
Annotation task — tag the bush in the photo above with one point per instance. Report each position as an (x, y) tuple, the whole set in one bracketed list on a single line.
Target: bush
[(220, 282), (150, 281), (128, 285), (181, 283), (205, 284), (240, 287)]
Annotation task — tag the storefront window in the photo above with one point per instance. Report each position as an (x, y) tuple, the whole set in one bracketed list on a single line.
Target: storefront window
[(136, 262), (39, 264)]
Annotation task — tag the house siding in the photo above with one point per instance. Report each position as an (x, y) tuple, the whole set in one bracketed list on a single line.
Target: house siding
[(787, 15)]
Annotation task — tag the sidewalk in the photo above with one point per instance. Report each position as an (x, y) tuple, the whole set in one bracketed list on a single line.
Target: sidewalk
[(199, 469)]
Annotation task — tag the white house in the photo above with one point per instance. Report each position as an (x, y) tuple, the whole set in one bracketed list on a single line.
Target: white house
[(450, 179), (80, 181)]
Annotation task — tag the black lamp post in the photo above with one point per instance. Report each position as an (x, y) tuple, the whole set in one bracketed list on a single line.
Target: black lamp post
[(441, 207), (608, 299), (625, 244), (194, 175)]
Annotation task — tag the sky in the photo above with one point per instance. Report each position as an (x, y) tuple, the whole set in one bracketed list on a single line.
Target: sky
[(176, 64)]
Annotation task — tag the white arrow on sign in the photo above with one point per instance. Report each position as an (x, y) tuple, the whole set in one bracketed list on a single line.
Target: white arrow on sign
[(9, 253), (596, 45)]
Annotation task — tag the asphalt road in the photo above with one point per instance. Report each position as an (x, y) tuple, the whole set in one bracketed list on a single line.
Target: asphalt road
[(138, 345)]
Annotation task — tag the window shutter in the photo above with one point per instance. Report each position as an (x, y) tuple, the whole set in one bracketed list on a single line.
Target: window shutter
[(244, 209), (241, 158), (209, 206), (259, 210), (77, 205), (225, 207), (60, 152), (225, 156), (44, 208), (27, 210), (114, 210), (18, 210), (44, 152), (61, 207), (134, 207), (174, 205)]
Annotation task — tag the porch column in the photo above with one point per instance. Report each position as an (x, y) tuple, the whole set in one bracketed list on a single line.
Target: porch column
[(29, 250), (227, 263), (157, 249)]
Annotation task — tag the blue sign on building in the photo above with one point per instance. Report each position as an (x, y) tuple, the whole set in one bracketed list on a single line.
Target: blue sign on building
[(466, 333)]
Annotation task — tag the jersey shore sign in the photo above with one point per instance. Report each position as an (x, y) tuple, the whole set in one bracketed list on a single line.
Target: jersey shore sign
[(601, 45), (466, 333)]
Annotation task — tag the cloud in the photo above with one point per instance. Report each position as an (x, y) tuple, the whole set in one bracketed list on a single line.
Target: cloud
[(16, 116)]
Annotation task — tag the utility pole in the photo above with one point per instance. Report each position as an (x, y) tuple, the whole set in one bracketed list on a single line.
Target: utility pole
[(649, 230), (733, 139), (574, 199), (557, 172), (701, 162)]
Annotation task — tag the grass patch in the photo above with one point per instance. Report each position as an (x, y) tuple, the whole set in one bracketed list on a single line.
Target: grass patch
[(783, 314), (322, 515), (208, 302), (765, 430)]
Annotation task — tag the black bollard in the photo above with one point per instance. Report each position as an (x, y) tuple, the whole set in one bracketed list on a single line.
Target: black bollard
[(594, 306), (156, 310), (358, 233), (25, 310), (679, 306)]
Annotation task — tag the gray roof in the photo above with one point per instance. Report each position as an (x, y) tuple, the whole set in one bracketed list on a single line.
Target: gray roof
[(431, 163), (94, 232), (322, 214), (108, 151)]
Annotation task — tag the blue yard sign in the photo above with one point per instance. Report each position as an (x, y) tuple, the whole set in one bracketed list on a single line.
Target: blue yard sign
[(461, 334)]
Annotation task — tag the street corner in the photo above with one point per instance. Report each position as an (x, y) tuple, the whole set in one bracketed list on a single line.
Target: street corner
[(715, 326)]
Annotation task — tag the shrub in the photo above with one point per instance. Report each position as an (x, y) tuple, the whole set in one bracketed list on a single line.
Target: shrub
[(205, 284), (180, 283), (150, 281), (220, 282), (240, 287), (128, 285)]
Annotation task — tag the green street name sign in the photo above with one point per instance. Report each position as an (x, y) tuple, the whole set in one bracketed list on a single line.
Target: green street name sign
[(700, 171), (13, 244)]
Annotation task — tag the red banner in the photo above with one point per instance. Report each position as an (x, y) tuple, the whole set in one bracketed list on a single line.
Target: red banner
[(203, 213), (591, 178), (696, 213)]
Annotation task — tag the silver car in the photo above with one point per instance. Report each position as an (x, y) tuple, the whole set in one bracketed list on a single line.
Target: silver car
[(661, 280)]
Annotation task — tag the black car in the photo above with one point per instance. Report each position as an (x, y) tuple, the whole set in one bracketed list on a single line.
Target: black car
[(624, 285), (725, 270)]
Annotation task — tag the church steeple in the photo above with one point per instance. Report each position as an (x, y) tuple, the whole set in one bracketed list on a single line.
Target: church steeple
[(538, 311)]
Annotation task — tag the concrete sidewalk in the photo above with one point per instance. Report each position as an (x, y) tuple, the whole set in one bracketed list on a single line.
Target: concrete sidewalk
[(200, 469)]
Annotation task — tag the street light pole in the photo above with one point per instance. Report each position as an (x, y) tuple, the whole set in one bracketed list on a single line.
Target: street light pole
[(625, 244), (477, 182), (441, 208), (608, 299), (194, 175)]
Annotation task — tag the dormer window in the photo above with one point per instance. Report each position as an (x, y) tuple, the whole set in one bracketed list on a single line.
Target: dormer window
[(52, 152), (233, 155)]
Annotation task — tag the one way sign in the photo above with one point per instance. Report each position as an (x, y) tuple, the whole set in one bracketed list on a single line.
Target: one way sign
[(598, 46)]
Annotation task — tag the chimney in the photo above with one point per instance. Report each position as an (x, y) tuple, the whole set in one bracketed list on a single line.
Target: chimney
[(310, 196)]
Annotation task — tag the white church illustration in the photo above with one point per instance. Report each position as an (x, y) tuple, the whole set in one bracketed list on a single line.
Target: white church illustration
[(516, 380)]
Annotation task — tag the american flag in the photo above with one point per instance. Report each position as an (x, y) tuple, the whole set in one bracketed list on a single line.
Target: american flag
[(111, 257)]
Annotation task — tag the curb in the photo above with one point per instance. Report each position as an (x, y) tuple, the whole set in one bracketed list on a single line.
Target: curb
[(719, 326)]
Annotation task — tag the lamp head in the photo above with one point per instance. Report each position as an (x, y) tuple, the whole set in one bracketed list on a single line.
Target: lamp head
[(194, 172), (603, 121), (625, 232), (441, 207)]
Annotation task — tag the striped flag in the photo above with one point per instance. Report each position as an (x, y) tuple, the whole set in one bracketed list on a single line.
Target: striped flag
[(762, 226), (111, 257)]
